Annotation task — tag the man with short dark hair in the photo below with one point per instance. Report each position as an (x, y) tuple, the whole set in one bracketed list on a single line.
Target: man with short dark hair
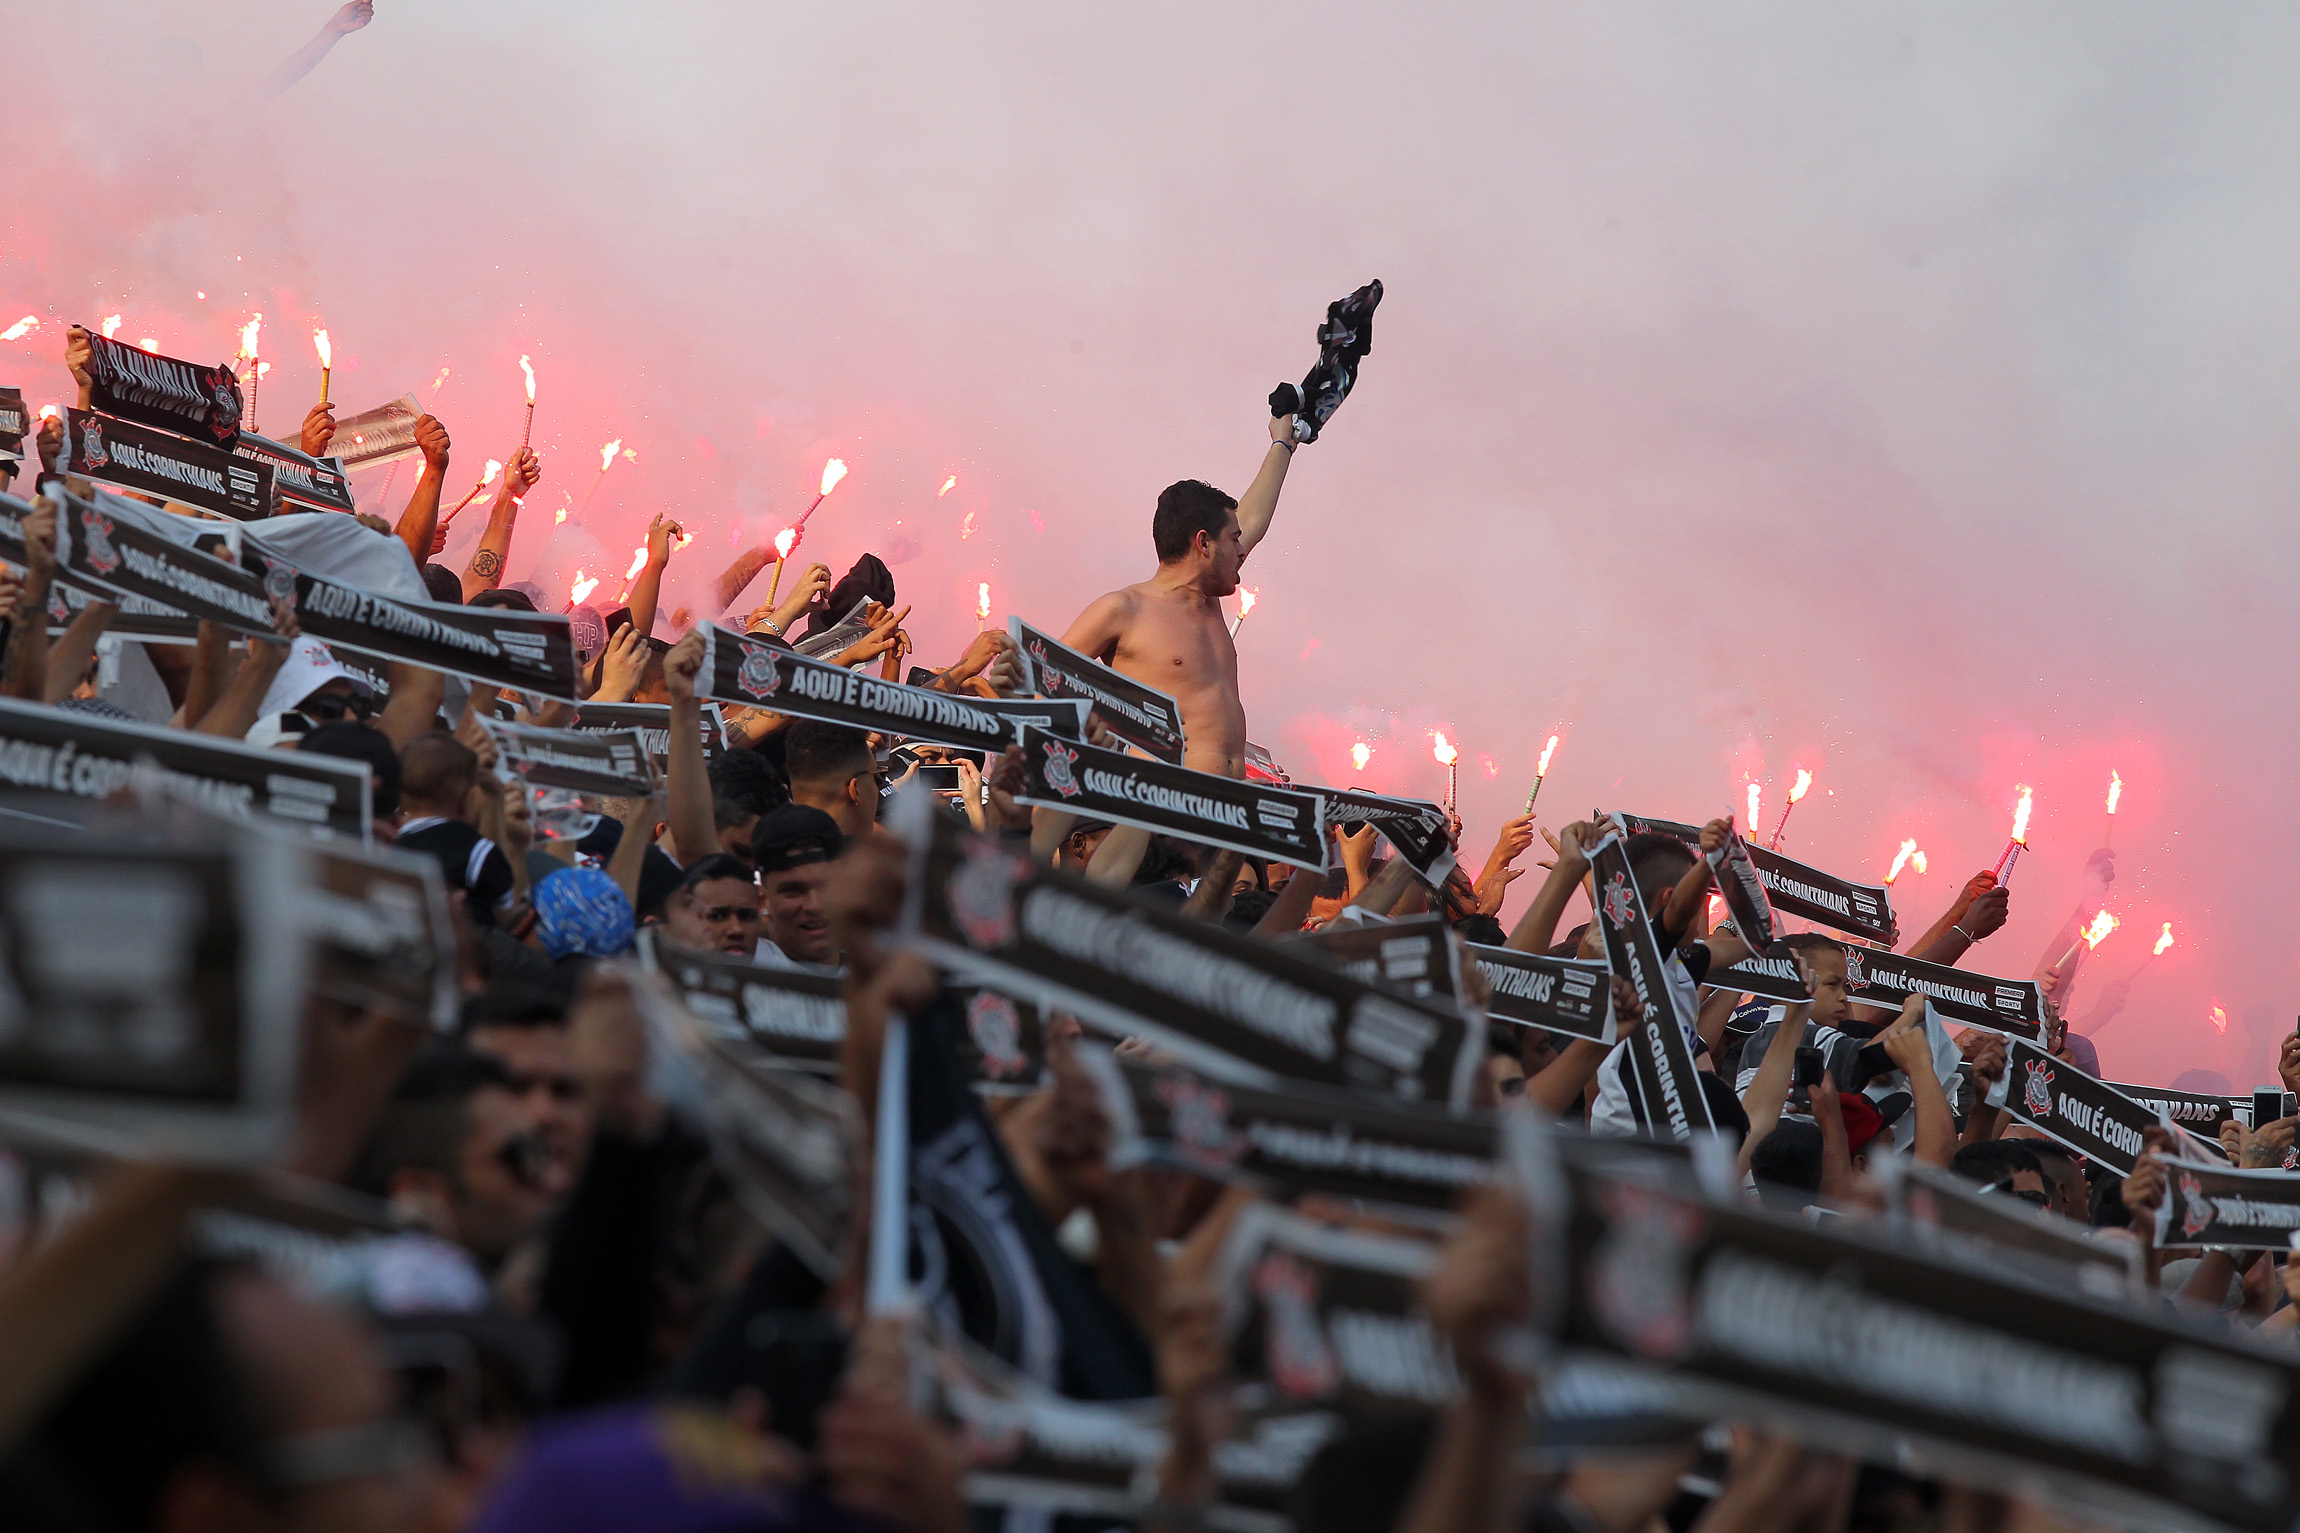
[(2005, 1166), (1168, 631), (458, 1153), (793, 849), (439, 776), (715, 908), (354, 741), (525, 1031), (831, 771)]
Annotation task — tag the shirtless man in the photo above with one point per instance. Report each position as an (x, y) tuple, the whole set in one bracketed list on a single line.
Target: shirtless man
[(1168, 631)]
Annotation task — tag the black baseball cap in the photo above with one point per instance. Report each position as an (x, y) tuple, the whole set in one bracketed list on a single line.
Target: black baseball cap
[(792, 837)]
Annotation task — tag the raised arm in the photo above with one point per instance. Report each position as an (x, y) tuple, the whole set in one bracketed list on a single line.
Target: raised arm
[(24, 672), (1769, 1092), (694, 829), (1260, 502), (647, 590), (485, 571), (68, 658), (349, 18), (420, 521), (1537, 928), (1909, 1046)]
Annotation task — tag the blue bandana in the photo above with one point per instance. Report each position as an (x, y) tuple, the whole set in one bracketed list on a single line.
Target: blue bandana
[(580, 910)]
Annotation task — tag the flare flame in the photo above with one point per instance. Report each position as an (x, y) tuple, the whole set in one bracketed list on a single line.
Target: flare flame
[(1247, 596), (111, 325), (1360, 754), (1443, 748), (2101, 926), (1804, 781), (1756, 799), (785, 541), (638, 562), (947, 486), (580, 592), (833, 472), (2162, 942), (2020, 813), (320, 344), (21, 328), (1541, 767), (607, 454), (1901, 860), (982, 602), (2115, 789), (2219, 1020), (528, 369)]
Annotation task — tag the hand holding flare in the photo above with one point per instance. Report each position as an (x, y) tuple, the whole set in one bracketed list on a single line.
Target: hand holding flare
[(788, 538)]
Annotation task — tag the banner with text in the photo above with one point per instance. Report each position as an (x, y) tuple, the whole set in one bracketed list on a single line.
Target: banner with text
[(298, 476), (755, 674), (613, 762), (2089, 1116), (1571, 996), (1139, 714), (131, 457), (1660, 1060), (1250, 817), (1874, 977), (202, 403), (1415, 828)]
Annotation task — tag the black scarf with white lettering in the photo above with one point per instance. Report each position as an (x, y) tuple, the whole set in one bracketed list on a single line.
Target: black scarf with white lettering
[(755, 674), (1565, 995), (202, 403), (132, 457), (1255, 818), (1660, 1059), (2088, 1115), (1138, 714)]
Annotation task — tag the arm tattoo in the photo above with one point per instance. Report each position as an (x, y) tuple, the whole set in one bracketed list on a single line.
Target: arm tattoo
[(487, 564)]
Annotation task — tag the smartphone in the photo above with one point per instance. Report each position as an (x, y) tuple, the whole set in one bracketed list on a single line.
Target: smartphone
[(2267, 1105), (938, 776), (1810, 1066)]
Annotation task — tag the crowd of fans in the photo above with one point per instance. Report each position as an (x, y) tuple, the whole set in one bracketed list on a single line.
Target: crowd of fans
[(563, 1315)]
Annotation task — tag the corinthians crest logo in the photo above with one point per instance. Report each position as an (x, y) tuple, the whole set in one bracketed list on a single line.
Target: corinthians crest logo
[(2037, 1092), (1300, 1358), (92, 451), (96, 532), (2196, 1211), (1203, 1138), (279, 581), (757, 674), (996, 1028), (981, 895), (1618, 900), (1059, 761), (1856, 969)]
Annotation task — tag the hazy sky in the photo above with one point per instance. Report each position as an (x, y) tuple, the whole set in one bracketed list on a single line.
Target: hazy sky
[(1903, 392)]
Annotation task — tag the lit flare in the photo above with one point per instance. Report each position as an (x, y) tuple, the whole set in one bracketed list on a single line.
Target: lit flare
[(1541, 767), (2115, 789), (2218, 1019), (111, 326), (833, 472), (1443, 749), (947, 486), (1901, 859), (2162, 942), (785, 541), (1360, 754), (21, 328), (528, 368), (1756, 802), (320, 344), (580, 592), (638, 561), (607, 454)]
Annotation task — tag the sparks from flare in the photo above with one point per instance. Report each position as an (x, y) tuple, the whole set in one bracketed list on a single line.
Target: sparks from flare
[(1360, 754), (2088, 939), (834, 470), (2115, 792), (2019, 841), (21, 328), (1540, 770), (1804, 783)]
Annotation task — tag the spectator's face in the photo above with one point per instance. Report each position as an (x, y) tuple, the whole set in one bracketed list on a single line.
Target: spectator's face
[(735, 840), (2030, 1188), (719, 915), (1245, 882), (1829, 999), (1079, 849), (795, 920), (502, 1173), (319, 1374), (541, 1062)]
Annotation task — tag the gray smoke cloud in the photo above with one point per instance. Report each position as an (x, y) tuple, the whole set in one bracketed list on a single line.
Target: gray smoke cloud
[(1898, 392)]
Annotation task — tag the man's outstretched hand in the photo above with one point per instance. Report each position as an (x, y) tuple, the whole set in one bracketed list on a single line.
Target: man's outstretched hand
[(318, 430), (353, 15)]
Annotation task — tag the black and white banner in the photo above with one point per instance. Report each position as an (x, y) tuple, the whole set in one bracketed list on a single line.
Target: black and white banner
[(130, 457), (1415, 828), (155, 971), (653, 722), (1744, 893), (299, 477), (1572, 996), (1331, 1315), (1250, 817), (2002, 1233), (1660, 1058), (384, 939), (1874, 977), (755, 674), (614, 763), (2201, 1113), (202, 403), (801, 1018), (1873, 1345), (1066, 719), (788, 1142), (78, 756), (15, 425), (119, 545), (1240, 1010), (1792, 887), (839, 637), (1415, 955), (2089, 1116), (68, 594), (1299, 1139), (375, 437), (2217, 1205), (1140, 715)]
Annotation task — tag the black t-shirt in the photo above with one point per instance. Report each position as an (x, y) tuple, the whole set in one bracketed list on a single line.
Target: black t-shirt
[(467, 861)]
